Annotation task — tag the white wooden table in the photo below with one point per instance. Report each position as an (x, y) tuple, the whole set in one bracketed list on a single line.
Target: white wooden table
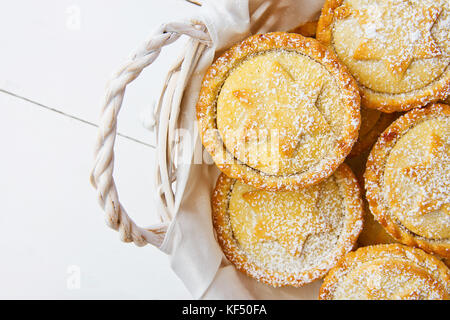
[(55, 58)]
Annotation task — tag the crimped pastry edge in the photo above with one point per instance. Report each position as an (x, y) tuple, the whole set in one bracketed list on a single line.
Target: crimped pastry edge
[(374, 176)]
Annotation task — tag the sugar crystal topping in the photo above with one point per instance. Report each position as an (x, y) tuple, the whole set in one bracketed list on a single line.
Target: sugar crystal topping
[(393, 46), (397, 44), (390, 272), (283, 97), (369, 118), (417, 179), (283, 141)]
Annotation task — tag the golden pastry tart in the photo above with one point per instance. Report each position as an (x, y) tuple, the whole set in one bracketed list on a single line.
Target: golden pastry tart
[(447, 262), (358, 165), (373, 123), (398, 50), (308, 29), (447, 101), (387, 272), (287, 237), (407, 179), (372, 232), (278, 112)]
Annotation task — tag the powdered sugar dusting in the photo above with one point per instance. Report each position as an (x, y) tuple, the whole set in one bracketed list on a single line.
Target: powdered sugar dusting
[(394, 47), (294, 236), (407, 179), (417, 179)]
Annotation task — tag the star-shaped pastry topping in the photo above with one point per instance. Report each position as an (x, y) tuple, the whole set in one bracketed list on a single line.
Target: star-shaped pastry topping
[(433, 177), (286, 105), (286, 217), (397, 281), (396, 32)]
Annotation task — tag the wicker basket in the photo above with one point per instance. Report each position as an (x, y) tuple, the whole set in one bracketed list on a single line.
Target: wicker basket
[(166, 111)]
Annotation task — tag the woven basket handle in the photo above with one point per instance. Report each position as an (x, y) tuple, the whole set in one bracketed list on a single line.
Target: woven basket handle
[(102, 173)]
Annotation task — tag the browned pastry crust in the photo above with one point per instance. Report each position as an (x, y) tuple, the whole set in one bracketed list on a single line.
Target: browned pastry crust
[(435, 91), (447, 262), (307, 29), (352, 223), (447, 100), (372, 232), (374, 176), (216, 76), (365, 142), (435, 269)]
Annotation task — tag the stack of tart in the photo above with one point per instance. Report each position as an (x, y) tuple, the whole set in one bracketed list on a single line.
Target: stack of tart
[(280, 113)]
